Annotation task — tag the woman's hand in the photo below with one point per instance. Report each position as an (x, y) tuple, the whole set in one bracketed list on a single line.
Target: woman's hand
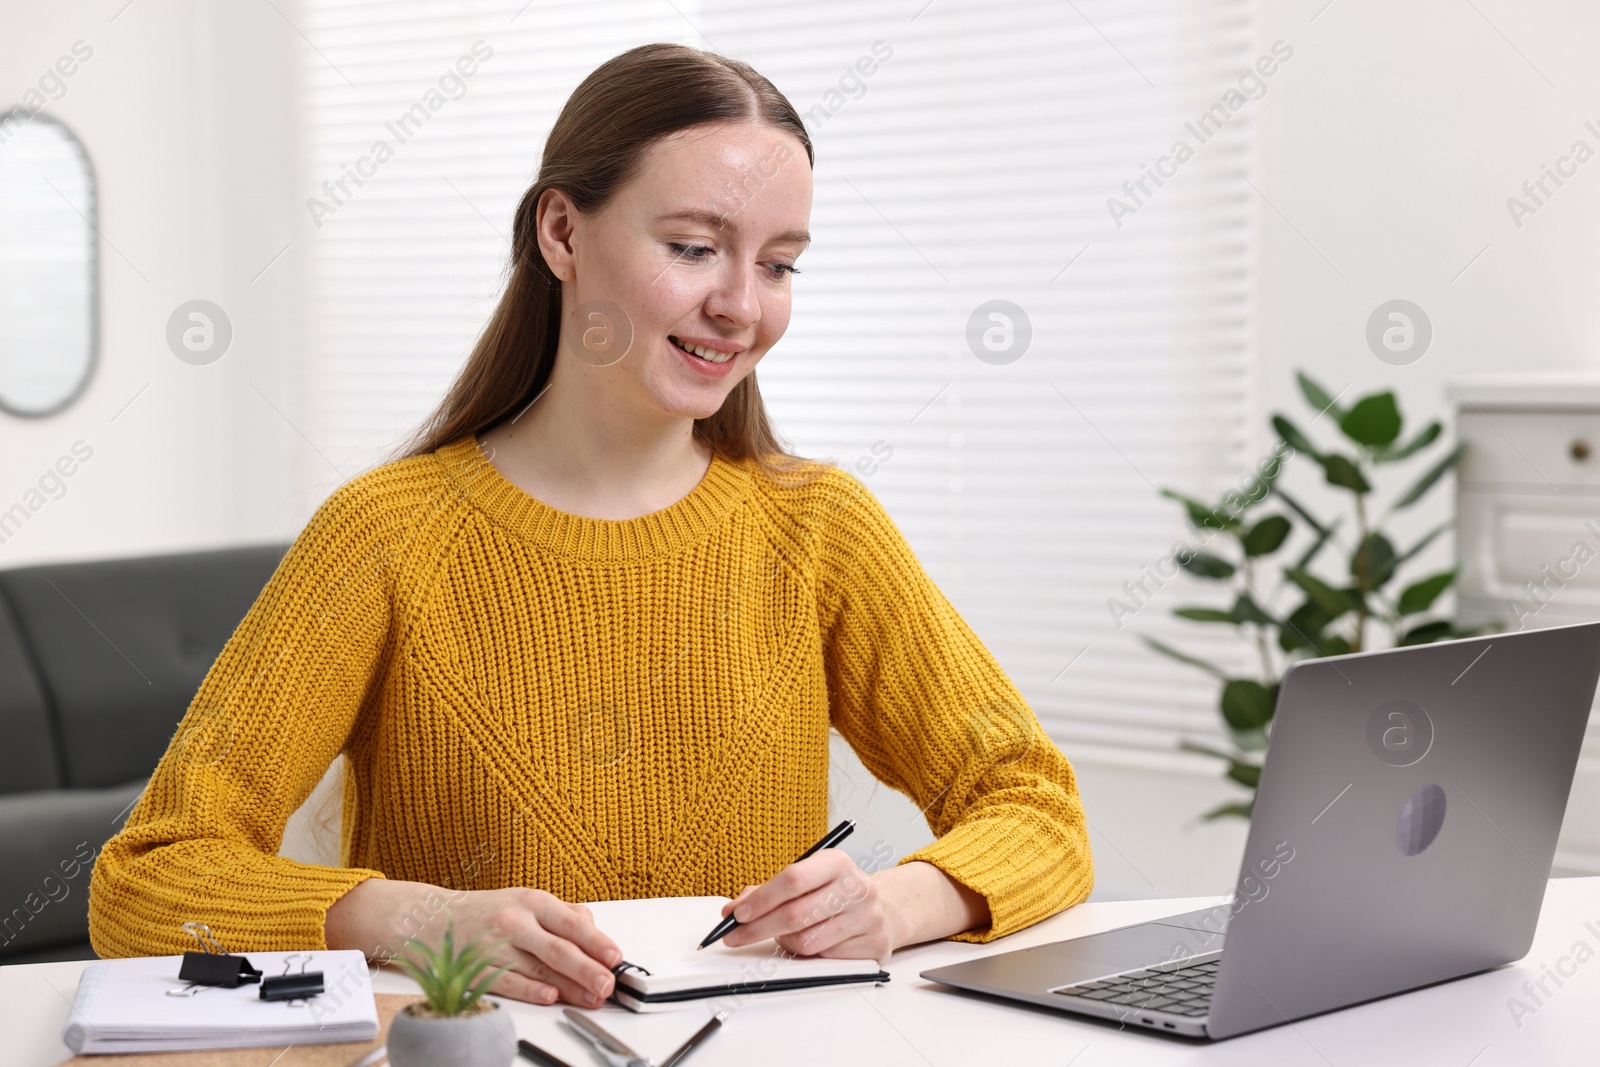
[(554, 948), (825, 905)]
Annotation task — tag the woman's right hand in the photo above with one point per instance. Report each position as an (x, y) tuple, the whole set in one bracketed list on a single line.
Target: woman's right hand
[(554, 948)]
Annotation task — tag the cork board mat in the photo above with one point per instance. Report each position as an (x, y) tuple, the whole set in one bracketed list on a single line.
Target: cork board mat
[(340, 1055)]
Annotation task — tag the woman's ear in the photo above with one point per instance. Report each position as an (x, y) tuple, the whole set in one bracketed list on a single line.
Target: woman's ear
[(555, 220)]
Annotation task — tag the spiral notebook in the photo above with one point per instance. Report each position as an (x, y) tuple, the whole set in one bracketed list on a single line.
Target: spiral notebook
[(664, 970), (122, 1006)]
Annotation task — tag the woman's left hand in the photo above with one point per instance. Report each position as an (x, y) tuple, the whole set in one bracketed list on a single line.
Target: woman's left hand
[(823, 905)]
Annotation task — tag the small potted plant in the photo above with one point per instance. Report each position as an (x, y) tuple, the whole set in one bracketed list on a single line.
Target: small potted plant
[(454, 1023)]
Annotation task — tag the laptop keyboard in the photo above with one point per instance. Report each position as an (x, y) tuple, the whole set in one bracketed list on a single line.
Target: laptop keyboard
[(1183, 991)]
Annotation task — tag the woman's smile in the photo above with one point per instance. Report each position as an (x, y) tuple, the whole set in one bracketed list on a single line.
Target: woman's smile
[(703, 359)]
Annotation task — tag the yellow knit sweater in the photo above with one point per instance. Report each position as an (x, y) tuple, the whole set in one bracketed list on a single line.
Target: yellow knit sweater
[(602, 709)]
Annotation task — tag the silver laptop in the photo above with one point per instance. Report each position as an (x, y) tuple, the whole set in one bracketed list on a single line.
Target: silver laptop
[(1402, 835)]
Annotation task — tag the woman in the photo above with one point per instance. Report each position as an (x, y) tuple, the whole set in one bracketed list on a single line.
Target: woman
[(587, 638)]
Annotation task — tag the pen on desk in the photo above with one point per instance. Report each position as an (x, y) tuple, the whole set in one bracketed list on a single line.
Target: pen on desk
[(712, 1026), (529, 1051), (833, 837), (612, 1048)]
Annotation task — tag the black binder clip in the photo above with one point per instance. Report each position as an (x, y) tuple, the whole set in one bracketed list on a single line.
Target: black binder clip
[(300, 986), (620, 971), (213, 966)]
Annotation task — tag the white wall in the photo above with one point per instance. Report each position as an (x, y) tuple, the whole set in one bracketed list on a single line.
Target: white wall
[(1391, 143), (180, 111)]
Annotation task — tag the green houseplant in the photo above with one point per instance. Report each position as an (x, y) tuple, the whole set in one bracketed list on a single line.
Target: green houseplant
[(1326, 616), (454, 1022)]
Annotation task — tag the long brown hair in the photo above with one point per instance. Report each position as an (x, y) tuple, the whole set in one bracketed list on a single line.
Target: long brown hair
[(594, 148)]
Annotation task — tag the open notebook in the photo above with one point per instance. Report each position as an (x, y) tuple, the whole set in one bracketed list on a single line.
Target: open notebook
[(667, 972), (122, 1006)]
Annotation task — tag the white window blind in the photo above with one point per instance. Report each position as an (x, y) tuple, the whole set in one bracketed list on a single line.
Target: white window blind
[(975, 163)]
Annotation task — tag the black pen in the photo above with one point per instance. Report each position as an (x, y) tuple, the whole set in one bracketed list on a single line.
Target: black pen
[(529, 1051), (711, 1027), (834, 836)]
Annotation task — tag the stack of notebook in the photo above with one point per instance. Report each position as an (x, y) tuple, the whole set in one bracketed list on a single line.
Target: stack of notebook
[(123, 1006), (665, 970)]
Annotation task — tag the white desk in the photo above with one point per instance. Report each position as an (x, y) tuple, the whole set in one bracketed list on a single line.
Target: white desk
[(913, 1022)]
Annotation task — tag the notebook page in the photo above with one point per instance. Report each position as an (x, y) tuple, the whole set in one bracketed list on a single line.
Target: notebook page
[(662, 938)]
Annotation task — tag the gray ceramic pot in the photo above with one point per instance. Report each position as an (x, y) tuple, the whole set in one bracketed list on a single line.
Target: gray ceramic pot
[(487, 1039)]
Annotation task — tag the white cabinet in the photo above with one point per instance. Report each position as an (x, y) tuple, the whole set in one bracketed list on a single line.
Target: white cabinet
[(1528, 534), (1528, 510)]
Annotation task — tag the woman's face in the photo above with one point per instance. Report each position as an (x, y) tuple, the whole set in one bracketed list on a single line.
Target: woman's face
[(696, 249)]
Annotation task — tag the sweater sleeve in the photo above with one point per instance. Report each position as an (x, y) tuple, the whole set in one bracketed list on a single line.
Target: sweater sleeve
[(932, 714), (273, 712)]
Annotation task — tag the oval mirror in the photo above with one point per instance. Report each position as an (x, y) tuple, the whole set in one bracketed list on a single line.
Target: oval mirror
[(49, 267)]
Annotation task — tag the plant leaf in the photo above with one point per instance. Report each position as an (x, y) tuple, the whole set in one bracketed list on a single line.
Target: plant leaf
[(1333, 645), (1317, 396), (1198, 512), (1221, 811), (1427, 633), (1246, 774), (1333, 601), (1203, 514), (1294, 438), (1316, 546), (1310, 520), (1419, 596), (1374, 421), (1323, 532), (481, 986), (1412, 495), (1205, 750), (1205, 565), (1250, 740), (1245, 609), (1266, 536), (1342, 471), (1426, 541), (1205, 615), (451, 980), (1264, 480), (1181, 657), (1430, 433), (1247, 704), (1373, 562), (1240, 770), (1303, 627)]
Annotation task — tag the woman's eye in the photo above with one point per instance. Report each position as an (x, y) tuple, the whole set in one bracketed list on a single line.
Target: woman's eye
[(699, 252), (688, 251)]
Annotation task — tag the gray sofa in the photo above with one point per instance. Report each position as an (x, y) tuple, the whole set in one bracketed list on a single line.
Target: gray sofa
[(98, 662)]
